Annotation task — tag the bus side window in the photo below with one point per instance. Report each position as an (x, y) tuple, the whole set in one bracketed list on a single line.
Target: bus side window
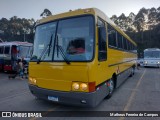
[(120, 40), (102, 48), (1, 49), (7, 50), (111, 36)]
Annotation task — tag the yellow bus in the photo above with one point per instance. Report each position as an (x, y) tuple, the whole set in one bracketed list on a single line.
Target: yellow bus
[(79, 58)]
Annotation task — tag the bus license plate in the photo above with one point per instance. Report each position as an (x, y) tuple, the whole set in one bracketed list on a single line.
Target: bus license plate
[(52, 98)]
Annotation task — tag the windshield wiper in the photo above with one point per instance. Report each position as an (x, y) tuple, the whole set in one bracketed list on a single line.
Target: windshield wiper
[(48, 47), (61, 51)]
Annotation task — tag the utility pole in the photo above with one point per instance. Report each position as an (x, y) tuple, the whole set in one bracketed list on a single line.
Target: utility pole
[(24, 37)]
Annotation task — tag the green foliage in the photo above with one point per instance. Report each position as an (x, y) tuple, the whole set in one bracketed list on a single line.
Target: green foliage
[(16, 28), (146, 39), (46, 13)]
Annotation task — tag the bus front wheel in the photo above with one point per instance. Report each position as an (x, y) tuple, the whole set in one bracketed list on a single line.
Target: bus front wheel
[(111, 88)]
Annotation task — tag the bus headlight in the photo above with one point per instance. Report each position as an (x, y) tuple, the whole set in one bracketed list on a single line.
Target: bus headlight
[(158, 62), (80, 86), (83, 86), (75, 86), (32, 80)]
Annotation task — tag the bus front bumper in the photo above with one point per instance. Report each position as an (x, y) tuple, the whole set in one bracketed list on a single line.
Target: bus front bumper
[(91, 99), (151, 65)]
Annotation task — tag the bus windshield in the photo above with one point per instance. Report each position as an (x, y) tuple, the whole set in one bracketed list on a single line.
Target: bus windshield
[(25, 51), (74, 37), (152, 54)]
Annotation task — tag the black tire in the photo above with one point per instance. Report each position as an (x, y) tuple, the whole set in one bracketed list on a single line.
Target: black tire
[(132, 72), (111, 88)]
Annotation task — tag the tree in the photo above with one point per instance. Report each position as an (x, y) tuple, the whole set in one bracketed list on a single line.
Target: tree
[(45, 13), (16, 29)]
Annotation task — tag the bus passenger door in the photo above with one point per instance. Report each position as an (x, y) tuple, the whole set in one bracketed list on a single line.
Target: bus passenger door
[(14, 52), (102, 53)]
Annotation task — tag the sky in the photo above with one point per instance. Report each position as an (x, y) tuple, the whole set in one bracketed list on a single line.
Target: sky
[(33, 8)]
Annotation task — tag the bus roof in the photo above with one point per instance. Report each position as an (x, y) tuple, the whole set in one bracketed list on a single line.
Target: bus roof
[(87, 11), (16, 43)]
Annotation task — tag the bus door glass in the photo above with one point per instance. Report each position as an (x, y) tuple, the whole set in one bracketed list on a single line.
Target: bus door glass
[(102, 48), (7, 58), (14, 53), (102, 51)]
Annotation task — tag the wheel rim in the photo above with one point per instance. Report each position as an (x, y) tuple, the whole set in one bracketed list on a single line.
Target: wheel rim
[(111, 87)]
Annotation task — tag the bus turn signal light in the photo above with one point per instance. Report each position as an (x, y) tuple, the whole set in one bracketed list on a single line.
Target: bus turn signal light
[(92, 86), (32, 80)]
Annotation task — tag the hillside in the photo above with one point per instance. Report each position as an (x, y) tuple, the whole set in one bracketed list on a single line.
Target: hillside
[(146, 19), (144, 27)]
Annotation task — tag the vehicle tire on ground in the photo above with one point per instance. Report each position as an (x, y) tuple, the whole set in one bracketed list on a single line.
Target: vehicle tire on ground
[(111, 88), (132, 72)]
